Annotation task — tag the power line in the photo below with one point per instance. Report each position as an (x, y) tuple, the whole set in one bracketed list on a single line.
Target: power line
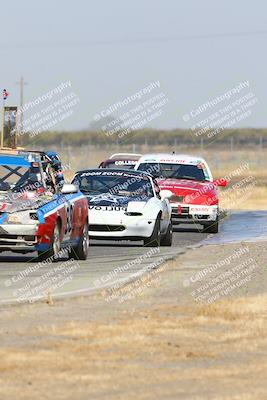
[(132, 41)]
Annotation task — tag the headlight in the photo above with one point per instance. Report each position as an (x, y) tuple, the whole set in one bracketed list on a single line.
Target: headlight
[(27, 217), (133, 214)]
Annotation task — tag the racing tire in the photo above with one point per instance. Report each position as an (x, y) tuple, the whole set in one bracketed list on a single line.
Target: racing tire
[(80, 252), (154, 239), (166, 240), (55, 245), (213, 227)]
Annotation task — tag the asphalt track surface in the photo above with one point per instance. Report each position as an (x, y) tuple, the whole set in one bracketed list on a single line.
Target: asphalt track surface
[(113, 263), (108, 263)]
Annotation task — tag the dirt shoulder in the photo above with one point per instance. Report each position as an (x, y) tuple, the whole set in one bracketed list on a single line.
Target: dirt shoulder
[(196, 328)]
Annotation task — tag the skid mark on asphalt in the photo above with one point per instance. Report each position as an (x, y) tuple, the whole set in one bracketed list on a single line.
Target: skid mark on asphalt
[(242, 226)]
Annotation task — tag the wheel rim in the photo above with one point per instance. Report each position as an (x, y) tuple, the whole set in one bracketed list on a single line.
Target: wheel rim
[(85, 238), (56, 241)]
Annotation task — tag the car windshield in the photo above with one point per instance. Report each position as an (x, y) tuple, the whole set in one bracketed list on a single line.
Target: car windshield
[(17, 178), (176, 171), (119, 185)]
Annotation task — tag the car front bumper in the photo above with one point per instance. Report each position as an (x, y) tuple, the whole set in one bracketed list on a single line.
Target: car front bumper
[(193, 213), (120, 227), (18, 237)]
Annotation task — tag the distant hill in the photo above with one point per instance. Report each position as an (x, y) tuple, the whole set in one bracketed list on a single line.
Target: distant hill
[(241, 137)]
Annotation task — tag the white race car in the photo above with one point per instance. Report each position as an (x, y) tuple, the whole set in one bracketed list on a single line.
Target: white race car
[(125, 205)]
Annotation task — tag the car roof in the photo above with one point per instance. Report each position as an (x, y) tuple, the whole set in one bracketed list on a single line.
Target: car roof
[(125, 156), (112, 160), (18, 157), (115, 170), (171, 158), (16, 160)]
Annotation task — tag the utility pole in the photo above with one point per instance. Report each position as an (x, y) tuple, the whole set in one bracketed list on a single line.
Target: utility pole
[(21, 84)]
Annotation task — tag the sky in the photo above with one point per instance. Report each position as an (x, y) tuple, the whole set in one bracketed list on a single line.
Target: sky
[(111, 49)]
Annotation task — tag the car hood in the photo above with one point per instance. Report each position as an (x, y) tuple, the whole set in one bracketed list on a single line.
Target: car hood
[(190, 191), (184, 185), (105, 200), (14, 202)]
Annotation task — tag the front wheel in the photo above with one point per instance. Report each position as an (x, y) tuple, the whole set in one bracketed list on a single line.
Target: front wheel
[(80, 252), (213, 227), (167, 238), (154, 239), (55, 245)]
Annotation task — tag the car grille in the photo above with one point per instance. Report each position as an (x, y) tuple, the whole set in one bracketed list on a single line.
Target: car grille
[(13, 240), (199, 216), (180, 212), (106, 228)]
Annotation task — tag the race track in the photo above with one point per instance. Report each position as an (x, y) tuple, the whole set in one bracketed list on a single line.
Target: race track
[(110, 263), (98, 271)]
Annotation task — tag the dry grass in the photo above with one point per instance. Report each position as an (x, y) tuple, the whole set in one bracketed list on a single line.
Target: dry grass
[(252, 198), (237, 310), (146, 353)]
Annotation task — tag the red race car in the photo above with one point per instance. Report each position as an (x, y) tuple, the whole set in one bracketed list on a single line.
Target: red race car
[(121, 161), (38, 211), (188, 183)]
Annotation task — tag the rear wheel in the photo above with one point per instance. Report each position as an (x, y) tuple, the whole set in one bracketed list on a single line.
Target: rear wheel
[(167, 238), (55, 245), (80, 252), (154, 239)]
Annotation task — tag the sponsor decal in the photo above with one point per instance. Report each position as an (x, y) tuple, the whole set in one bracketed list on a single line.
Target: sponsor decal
[(179, 161), (107, 208), (202, 209), (125, 162), (103, 197), (114, 173)]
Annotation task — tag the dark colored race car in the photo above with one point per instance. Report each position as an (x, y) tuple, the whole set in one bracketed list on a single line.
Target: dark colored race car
[(121, 161), (38, 210)]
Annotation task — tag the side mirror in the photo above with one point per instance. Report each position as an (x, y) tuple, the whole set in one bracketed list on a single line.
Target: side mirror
[(220, 182), (69, 188), (165, 194)]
